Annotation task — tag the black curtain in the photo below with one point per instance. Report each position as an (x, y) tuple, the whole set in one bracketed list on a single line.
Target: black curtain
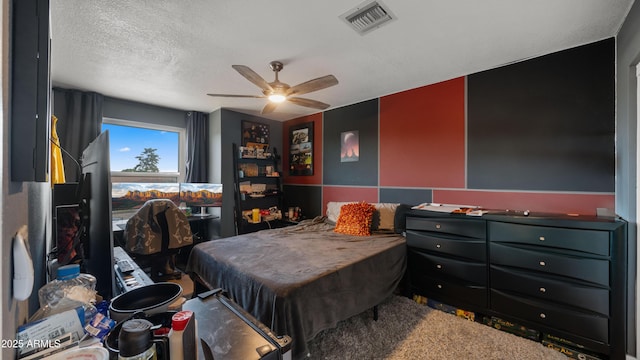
[(79, 116), (197, 147)]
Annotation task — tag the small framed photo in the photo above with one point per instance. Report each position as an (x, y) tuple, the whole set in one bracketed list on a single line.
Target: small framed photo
[(301, 149)]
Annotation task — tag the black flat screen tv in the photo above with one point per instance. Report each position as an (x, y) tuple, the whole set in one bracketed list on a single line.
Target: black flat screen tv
[(95, 209)]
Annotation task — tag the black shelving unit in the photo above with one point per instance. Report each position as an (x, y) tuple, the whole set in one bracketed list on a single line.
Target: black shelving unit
[(271, 197)]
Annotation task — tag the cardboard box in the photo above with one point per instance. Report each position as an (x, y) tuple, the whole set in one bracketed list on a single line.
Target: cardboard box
[(569, 352), (510, 327), (441, 306), (51, 334), (420, 299), (561, 341), (469, 315)]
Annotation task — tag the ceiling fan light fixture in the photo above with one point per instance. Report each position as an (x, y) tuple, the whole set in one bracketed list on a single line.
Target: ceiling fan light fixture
[(277, 92), (277, 98)]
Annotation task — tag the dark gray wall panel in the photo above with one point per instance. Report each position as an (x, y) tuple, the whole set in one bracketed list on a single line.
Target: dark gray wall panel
[(307, 197), (364, 118), (135, 111), (231, 128), (405, 196), (545, 124)]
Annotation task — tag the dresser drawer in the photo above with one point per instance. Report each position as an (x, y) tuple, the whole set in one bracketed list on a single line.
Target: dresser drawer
[(588, 241), (462, 227), (437, 266), (462, 247), (451, 292), (591, 270), (575, 295), (582, 324)]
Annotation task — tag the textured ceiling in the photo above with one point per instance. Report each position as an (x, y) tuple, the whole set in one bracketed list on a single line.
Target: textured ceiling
[(172, 52)]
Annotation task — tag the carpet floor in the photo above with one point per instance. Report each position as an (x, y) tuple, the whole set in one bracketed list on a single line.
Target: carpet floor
[(408, 330)]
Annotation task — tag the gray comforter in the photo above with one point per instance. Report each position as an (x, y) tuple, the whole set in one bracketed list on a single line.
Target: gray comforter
[(302, 279)]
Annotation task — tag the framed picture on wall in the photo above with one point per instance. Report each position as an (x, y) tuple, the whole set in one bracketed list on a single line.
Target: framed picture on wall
[(349, 146), (301, 149), (255, 139)]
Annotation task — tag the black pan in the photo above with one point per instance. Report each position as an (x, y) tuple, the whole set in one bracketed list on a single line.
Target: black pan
[(150, 299)]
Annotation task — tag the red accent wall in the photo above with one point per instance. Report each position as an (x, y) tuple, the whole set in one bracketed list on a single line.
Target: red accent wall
[(422, 139), (422, 136), (316, 178)]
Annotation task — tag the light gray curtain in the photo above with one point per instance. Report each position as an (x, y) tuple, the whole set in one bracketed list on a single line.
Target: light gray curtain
[(197, 147), (79, 116)]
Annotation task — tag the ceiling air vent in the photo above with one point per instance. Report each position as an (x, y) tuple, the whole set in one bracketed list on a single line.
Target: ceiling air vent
[(367, 16)]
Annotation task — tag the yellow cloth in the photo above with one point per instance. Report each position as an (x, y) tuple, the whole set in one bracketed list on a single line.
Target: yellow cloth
[(57, 166)]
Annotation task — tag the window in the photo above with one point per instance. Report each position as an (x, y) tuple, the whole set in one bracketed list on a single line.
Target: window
[(142, 152)]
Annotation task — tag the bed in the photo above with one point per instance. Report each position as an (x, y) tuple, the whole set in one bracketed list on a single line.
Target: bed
[(302, 279)]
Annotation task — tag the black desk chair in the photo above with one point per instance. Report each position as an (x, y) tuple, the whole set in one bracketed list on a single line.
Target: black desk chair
[(155, 234)]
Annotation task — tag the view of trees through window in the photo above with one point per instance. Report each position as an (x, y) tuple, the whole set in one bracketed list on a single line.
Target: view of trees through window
[(148, 161), (143, 151)]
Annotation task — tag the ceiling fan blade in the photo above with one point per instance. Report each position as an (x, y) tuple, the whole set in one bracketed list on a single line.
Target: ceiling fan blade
[(313, 85), (253, 77), (308, 103), (236, 96), (269, 108)]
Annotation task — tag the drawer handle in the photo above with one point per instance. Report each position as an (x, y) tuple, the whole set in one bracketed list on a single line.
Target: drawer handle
[(438, 246), (541, 238), (439, 266), (542, 263), (542, 316), (438, 226), (543, 290)]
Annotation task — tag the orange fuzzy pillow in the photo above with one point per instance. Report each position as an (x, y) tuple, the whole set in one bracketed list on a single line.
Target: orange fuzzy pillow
[(355, 219)]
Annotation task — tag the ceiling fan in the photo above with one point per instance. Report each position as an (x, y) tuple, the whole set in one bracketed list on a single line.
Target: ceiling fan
[(278, 92)]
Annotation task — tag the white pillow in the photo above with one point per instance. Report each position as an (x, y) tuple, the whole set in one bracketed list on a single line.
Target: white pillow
[(386, 212), (333, 210)]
